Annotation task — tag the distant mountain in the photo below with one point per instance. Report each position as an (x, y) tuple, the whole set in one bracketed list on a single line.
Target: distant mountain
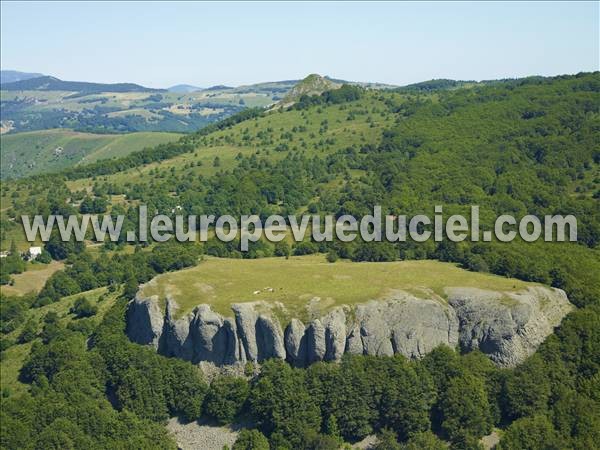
[(219, 87), (184, 88), (10, 76), (47, 83)]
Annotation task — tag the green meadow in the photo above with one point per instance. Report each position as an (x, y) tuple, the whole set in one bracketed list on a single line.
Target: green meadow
[(33, 279), (30, 153), (300, 280)]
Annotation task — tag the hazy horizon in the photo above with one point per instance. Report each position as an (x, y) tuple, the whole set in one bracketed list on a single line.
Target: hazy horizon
[(206, 44), (183, 83)]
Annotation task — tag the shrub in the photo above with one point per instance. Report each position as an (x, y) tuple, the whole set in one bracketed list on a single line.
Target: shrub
[(251, 440), (28, 333), (332, 256), (83, 308)]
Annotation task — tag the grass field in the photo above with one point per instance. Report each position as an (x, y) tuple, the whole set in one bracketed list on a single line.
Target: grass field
[(28, 153), (32, 280), (298, 280)]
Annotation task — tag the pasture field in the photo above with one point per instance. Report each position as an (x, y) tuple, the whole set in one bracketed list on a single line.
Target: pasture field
[(302, 280), (32, 280), (30, 153)]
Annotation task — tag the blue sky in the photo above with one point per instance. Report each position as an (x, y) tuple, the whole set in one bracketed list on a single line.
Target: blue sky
[(161, 44)]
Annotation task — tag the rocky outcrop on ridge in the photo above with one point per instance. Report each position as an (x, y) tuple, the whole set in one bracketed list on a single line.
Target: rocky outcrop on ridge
[(507, 326), (313, 84)]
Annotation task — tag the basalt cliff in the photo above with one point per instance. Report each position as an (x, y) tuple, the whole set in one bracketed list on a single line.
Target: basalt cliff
[(506, 326)]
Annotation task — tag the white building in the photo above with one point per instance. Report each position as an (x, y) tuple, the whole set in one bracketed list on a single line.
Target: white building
[(34, 252)]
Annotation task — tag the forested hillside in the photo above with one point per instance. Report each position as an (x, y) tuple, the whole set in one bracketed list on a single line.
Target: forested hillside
[(528, 146)]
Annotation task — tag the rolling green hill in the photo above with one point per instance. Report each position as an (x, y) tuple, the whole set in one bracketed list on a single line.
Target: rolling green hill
[(503, 146), (29, 153), (46, 102), (121, 112), (526, 146)]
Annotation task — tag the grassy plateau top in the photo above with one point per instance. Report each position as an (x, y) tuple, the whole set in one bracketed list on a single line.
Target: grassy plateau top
[(300, 280)]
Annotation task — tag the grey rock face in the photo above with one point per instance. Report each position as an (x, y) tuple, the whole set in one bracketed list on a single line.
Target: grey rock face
[(295, 343), (315, 342), (206, 331), (403, 324), (176, 340), (261, 336), (215, 338), (374, 333), (335, 335), (234, 351), (326, 337), (354, 343), (508, 327), (145, 321), (269, 339), (245, 320)]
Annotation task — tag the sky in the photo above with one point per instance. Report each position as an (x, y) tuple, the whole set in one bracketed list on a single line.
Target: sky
[(160, 44)]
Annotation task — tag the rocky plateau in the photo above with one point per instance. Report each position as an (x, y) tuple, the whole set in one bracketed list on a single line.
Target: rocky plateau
[(506, 326)]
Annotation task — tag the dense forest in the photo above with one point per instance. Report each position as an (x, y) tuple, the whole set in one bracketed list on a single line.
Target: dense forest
[(525, 146)]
